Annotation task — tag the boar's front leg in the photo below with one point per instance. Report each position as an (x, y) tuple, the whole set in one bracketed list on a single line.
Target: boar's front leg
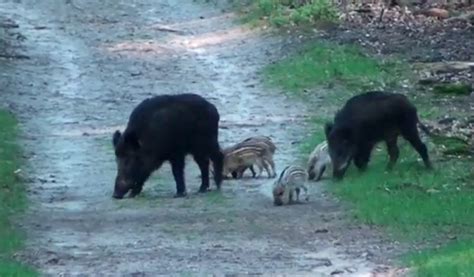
[(362, 156), (136, 190), (177, 166)]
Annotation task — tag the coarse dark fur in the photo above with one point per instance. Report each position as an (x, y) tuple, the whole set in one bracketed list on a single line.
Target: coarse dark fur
[(367, 119), (167, 128)]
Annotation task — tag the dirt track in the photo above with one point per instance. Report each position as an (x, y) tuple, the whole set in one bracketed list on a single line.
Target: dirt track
[(91, 63)]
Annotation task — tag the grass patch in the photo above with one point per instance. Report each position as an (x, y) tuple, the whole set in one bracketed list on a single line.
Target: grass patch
[(12, 198), (410, 200), (283, 13), (452, 260), (330, 65), (453, 89)]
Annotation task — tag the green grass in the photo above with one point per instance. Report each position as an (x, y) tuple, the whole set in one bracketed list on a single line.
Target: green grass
[(330, 65), (284, 13), (12, 198), (453, 260), (410, 202)]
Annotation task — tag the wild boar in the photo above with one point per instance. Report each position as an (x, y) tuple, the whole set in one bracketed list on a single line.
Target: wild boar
[(167, 128), (367, 119)]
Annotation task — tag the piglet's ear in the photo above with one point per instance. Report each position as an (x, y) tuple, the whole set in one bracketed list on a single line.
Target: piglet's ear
[(116, 137), (327, 128)]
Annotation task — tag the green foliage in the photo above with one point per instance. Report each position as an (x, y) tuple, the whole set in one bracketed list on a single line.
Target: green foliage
[(453, 260), (282, 13), (453, 89), (327, 64), (12, 198)]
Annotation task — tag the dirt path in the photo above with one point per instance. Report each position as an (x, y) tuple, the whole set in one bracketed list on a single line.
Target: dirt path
[(91, 63)]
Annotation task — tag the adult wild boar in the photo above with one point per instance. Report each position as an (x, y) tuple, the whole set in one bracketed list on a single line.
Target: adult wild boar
[(367, 119), (167, 128)]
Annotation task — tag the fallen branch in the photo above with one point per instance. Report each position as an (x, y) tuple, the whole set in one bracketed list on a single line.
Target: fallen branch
[(468, 16), (444, 66), (167, 29), (8, 25), (14, 57)]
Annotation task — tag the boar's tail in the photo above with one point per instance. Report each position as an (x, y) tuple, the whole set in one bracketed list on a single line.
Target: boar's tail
[(424, 128), (217, 158)]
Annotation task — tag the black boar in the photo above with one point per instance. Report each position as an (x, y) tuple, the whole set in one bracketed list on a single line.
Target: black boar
[(367, 119), (167, 128)]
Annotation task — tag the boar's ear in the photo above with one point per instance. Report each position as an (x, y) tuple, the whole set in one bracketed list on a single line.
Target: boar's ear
[(131, 139), (327, 128), (116, 138)]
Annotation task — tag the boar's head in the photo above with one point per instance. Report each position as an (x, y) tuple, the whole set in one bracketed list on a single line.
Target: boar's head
[(341, 148), (132, 167)]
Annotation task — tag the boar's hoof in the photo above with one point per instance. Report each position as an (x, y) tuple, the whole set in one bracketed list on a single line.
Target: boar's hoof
[(116, 196), (180, 194), (203, 190), (133, 194)]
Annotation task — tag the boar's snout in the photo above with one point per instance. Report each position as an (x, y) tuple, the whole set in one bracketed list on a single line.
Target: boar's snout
[(338, 174), (121, 188), (278, 202), (117, 195)]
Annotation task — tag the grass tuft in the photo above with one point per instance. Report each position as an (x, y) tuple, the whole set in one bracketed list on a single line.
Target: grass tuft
[(12, 198), (330, 65)]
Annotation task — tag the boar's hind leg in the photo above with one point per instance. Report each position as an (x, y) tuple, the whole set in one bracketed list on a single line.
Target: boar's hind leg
[(218, 160), (177, 166), (203, 163), (393, 151), (410, 133)]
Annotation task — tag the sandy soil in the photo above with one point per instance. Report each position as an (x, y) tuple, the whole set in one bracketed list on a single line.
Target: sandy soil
[(90, 63)]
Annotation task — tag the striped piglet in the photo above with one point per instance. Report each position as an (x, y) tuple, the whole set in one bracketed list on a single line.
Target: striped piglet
[(263, 142), (318, 161), (243, 157), (291, 181)]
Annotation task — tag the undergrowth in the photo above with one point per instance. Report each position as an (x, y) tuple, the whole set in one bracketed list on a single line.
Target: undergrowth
[(12, 198)]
